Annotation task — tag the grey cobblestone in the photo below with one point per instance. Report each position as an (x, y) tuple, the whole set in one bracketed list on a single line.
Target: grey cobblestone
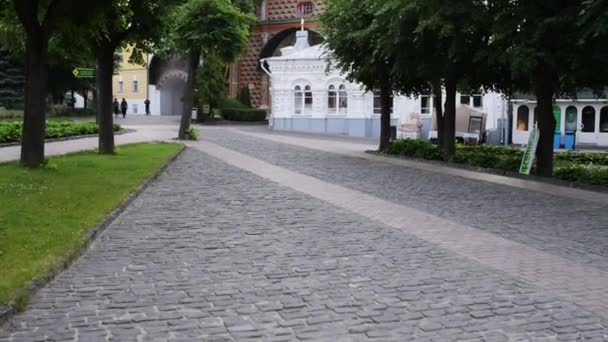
[(229, 256), (569, 228)]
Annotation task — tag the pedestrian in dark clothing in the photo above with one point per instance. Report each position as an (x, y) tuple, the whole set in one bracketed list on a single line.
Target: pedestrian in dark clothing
[(123, 108), (116, 107), (147, 103)]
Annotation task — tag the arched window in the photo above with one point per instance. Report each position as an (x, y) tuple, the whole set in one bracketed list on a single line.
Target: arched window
[(299, 99), (523, 118), (588, 119), (332, 99), (343, 99), (307, 99), (571, 118), (604, 120)]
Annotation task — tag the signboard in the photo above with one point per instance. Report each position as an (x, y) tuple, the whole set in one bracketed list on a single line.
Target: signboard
[(530, 152), (84, 73)]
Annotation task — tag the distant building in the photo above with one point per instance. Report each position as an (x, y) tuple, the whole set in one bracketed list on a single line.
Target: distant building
[(159, 80), (131, 82)]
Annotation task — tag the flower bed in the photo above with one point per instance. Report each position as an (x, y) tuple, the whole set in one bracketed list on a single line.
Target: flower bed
[(585, 168), (10, 131)]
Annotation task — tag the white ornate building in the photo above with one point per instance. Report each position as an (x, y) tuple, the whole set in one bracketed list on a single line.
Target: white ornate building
[(307, 96)]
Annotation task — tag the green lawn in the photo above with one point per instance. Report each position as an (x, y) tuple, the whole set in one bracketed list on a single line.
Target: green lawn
[(45, 213)]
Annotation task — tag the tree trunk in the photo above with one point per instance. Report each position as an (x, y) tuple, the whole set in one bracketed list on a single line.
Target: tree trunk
[(36, 91), (449, 120), (85, 96), (104, 72), (385, 117), (546, 126), (193, 62), (438, 103)]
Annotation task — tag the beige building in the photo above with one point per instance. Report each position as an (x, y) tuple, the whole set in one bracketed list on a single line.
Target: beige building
[(131, 83)]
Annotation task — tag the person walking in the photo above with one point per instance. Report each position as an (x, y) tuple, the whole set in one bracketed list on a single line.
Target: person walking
[(123, 108), (116, 107), (147, 103)]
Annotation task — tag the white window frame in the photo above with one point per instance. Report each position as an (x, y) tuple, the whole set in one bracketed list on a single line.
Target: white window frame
[(426, 110), (121, 87), (135, 86), (332, 99)]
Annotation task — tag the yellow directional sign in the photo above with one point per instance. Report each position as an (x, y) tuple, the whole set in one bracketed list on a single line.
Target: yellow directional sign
[(84, 73)]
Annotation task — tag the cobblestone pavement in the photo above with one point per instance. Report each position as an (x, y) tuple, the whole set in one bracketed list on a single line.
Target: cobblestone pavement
[(212, 252), (570, 228)]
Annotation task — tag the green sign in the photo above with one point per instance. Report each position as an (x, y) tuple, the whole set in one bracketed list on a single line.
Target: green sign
[(530, 152), (557, 112), (84, 73)]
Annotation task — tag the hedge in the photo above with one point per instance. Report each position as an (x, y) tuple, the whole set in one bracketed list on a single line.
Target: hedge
[(244, 115), (10, 131), (588, 168)]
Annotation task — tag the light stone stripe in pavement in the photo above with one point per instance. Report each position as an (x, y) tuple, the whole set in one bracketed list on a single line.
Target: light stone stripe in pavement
[(355, 149), (583, 285)]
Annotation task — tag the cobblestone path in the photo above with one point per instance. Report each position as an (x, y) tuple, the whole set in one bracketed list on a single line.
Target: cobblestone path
[(213, 252)]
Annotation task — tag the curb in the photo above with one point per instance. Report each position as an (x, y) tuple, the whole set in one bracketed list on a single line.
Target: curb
[(75, 137), (9, 310), (515, 175)]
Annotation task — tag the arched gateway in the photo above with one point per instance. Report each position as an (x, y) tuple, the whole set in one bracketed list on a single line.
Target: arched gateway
[(169, 78)]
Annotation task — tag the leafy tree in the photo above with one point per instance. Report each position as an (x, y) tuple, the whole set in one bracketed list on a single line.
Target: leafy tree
[(529, 40), (206, 27), (211, 84), (441, 44), (118, 23), (353, 30), (40, 21)]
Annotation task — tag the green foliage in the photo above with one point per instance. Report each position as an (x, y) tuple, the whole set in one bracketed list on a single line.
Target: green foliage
[(216, 26), (587, 174), (412, 148), (490, 157), (42, 211), (10, 131), (245, 97), (586, 168), (232, 103), (193, 134), (244, 115), (582, 158), (211, 83)]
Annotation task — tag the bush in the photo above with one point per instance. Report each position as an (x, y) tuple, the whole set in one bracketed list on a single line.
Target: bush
[(245, 97), (486, 156), (10, 131), (193, 134), (244, 115), (232, 103), (490, 157), (587, 174), (78, 112), (415, 149), (582, 158)]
